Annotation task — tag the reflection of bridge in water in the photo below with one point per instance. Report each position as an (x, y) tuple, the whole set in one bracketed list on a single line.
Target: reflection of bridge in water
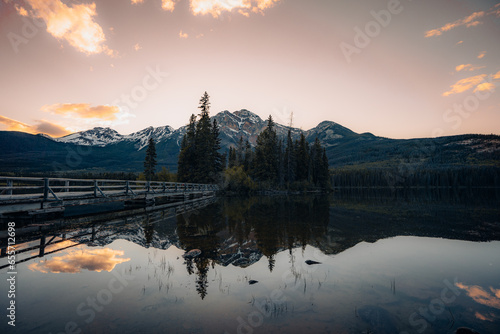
[(36, 196), (38, 240)]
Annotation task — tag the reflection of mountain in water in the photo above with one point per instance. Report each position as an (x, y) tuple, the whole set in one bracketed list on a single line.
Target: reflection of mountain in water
[(446, 213), (240, 231)]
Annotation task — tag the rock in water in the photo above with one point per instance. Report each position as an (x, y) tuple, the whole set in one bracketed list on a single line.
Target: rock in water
[(192, 254), (310, 262), (251, 282)]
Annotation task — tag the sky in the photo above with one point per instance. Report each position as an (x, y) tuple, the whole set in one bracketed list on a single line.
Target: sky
[(398, 69)]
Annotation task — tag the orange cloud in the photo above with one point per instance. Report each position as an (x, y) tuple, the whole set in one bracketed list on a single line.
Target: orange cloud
[(468, 67), (491, 317), (168, 5), (481, 55), (51, 129), (482, 296), (74, 23), (83, 110), (496, 75), (77, 259), (42, 126), (135, 2), (13, 125), (183, 35), (485, 86), (137, 47), (217, 7), (469, 21), (21, 10), (465, 84), (496, 10)]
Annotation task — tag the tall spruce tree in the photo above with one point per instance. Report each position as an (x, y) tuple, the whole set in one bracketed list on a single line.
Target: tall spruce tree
[(266, 160), (289, 160), (218, 159), (302, 155), (187, 159), (150, 160), (204, 143), (199, 158), (324, 180)]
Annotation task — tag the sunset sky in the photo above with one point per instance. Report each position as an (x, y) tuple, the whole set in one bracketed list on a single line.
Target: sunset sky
[(399, 69)]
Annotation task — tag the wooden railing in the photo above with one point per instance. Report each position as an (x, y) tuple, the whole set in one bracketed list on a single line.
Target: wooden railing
[(48, 189)]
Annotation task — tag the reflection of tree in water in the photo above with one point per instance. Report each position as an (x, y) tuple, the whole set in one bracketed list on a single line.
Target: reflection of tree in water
[(198, 230), (202, 280), (289, 222), (274, 223), (149, 230)]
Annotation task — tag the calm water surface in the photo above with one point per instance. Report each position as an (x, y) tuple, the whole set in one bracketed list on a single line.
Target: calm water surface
[(383, 263)]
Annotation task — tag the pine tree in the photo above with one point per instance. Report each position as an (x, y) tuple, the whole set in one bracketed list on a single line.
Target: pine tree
[(231, 158), (240, 152), (150, 160), (203, 140), (302, 154), (218, 159), (248, 159), (187, 158), (316, 162), (289, 160), (199, 159), (325, 172), (266, 154)]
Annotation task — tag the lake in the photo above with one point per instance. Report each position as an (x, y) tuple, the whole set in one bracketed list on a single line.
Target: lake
[(352, 262)]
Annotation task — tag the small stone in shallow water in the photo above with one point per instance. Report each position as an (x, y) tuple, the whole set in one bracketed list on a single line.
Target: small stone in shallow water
[(192, 254), (310, 262), (251, 282)]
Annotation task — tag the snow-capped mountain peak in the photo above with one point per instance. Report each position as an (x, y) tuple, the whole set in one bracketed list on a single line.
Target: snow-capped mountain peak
[(97, 136), (142, 137)]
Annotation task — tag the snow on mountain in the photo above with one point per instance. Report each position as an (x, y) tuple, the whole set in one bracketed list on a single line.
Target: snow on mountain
[(105, 136), (141, 137), (95, 137), (233, 126)]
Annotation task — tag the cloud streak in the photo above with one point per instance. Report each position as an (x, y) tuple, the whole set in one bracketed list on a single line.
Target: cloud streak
[(74, 24), (84, 111), (468, 67), (217, 7), (168, 5), (472, 20), (41, 126), (482, 296), (466, 84)]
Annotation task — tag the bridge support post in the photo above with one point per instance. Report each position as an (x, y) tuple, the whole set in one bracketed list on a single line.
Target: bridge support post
[(45, 189), (42, 246), (10, 184)]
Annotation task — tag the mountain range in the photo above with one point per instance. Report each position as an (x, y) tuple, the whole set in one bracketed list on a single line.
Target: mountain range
[(104, 149)]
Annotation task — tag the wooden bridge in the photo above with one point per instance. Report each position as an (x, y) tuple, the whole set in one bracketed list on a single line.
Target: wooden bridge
[(45, 195), (53, 236)]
